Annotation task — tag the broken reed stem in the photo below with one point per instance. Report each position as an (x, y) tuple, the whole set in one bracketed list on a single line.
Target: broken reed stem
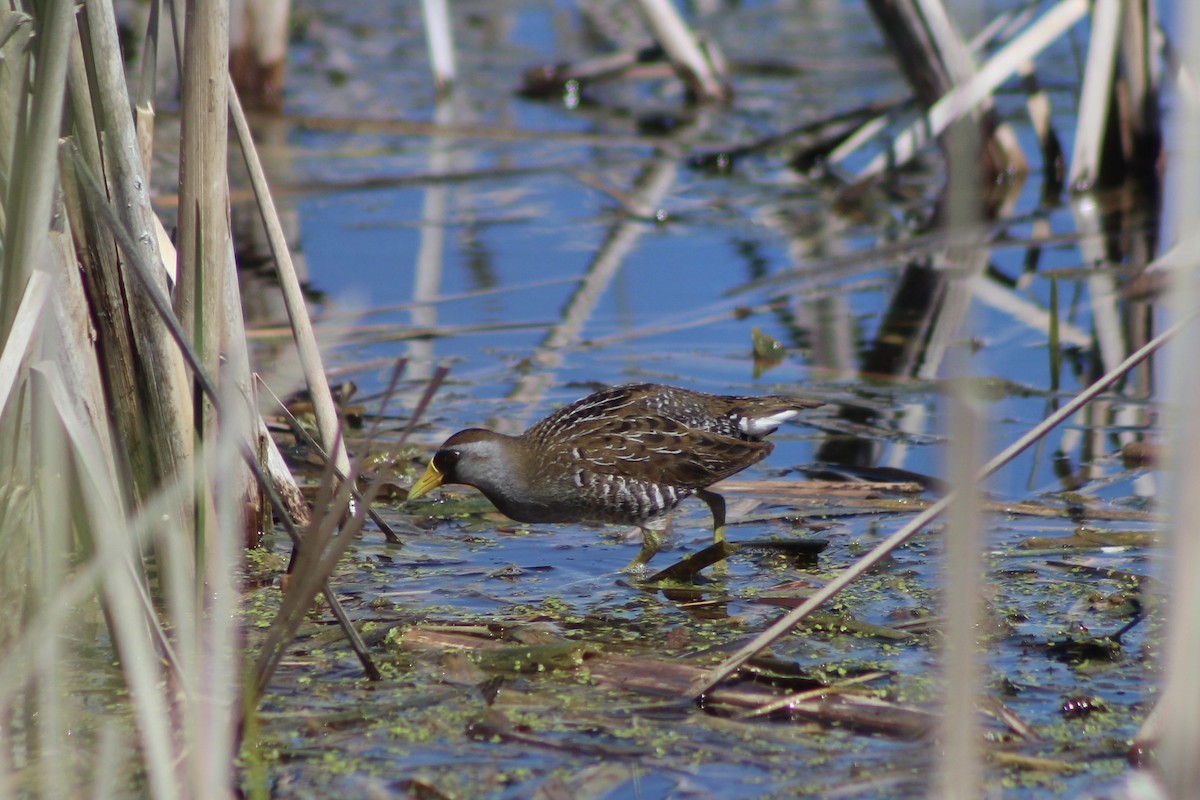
[(884, 548)]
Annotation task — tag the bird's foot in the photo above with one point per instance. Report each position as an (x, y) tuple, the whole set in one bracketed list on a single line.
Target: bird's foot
[(651, 542)]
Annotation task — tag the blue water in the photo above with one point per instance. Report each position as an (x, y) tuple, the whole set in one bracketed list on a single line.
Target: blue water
[(537, 194)]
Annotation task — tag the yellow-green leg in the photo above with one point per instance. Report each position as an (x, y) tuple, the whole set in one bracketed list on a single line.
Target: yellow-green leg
[(716, 504), (652, 538)]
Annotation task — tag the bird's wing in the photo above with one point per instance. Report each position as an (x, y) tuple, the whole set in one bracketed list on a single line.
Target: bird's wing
[(658, 449)]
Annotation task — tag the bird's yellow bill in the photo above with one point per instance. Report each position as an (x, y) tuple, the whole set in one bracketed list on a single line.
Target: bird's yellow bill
[(430, 480)]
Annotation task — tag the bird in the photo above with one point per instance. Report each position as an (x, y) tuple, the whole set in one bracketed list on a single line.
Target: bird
[(629, 455)]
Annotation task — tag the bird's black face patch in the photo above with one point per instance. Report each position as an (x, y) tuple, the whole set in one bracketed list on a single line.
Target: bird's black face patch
[(444, 461)]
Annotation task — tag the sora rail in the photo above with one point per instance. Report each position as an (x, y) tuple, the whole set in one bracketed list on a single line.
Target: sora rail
[(626, 455)]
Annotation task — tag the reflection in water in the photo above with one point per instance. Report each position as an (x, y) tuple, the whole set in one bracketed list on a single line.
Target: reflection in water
[(435, 212), (650, 189), (867, 297)]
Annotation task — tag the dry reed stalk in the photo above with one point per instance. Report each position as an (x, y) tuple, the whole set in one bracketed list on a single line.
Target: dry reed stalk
[(302, 330), (29, 202), (1175, 723), (203, 187), (143, 271), (935, 60), (150, 394), (179, 663), (15, 31), (147, 84), (965, 96), (31, 185), (959, 768), (960, 763)]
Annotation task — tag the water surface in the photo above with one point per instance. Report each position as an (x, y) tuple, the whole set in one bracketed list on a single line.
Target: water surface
[(540, 249)]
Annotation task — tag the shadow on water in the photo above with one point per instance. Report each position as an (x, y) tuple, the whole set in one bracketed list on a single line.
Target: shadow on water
[(542, 248)]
